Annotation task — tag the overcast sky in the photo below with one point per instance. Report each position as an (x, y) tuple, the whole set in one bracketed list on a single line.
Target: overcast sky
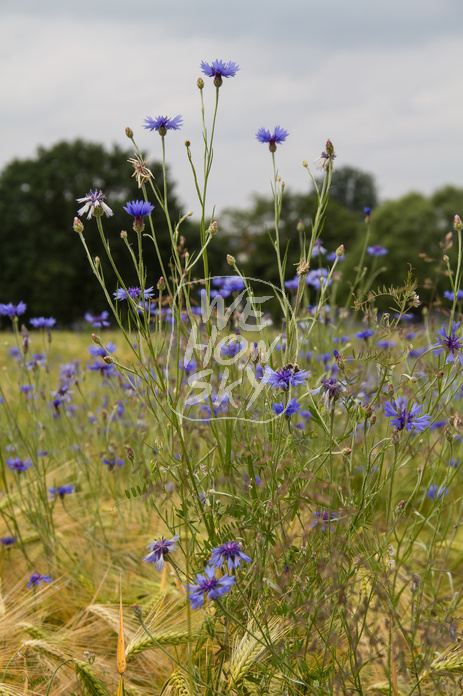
[(381, 79)]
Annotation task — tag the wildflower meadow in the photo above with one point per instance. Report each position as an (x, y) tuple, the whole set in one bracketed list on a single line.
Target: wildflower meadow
[(225, 485)]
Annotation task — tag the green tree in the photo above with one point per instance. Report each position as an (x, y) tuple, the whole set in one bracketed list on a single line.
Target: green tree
[(43, 261)]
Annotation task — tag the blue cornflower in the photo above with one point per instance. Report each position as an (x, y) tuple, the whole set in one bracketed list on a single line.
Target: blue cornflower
[(231, 553), (285, 377), (377, 250), (318, 248), (401, 418), (134, 293), (209, 585), (321, 517), (61, 490), (159, 549), (17, 464), (218, 70), (278, 136), (7, 540), (292, 284), (365, 334), (367, 210), (94, 204), (434, 492), (112, 462), (37, 579), (449, 343), (316, 277), (451, 295), (11, 310), (98, 320), (139, 208), (289, 410), (105, 369), (100, 352), (162, 124), (331, 390), (43, 323)]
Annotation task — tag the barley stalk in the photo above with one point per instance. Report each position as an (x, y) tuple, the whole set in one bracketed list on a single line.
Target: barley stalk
[(250, 648), (166, 638), (91, 685)]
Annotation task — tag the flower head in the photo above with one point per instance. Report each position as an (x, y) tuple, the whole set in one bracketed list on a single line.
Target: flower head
[(43, 323), (434, 492), (112, 462), (292, 407), (141, 171), (17, 464), (218, 70), (403, 418), (134, 293), (11, 310), (37, 579), (377, 250), (61, 490), (98, 320), (322, 517), (449, 343), (231, 553), (139, 209), (325, 161), (162, 124), (278, 136), (288, 376), (159, 549), (209, 585), (7, 540), (94, 204), (365, 334)]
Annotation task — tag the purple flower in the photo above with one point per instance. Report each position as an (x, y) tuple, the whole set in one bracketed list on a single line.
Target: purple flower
[(316, 277), (209, 585), (231, 553), (99, 320), (37, 579), (367, 210), (43, 323), (61, 490), (278, 136), (289, 410), (16, 464), (321, 517), (7, 540), (159, 549), (105, 369), (365, 334), (292, 284), (112, 462), (332, 390), (94, 204), (218, 70), (434, 492), (318, 248), (377, 250), (401, 418), (100, 352), (11, 310), (285, 377), (162, 124), (451, 295), (134, 293), (139, 208), (449, 343)]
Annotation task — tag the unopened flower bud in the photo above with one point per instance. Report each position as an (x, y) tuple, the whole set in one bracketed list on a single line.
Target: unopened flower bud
[(457, 223), (329, 147), (97, 261), (305, 164), (231, 260), (395, 437), (283, 185), (373, 419), (213, 228), (137, 611), (96, 340), (78, 225), (187, 143), (123, 234), (401, 505), (161, 284), (300, 226), (108, 360), (445, 258), (129, 132), (340, 251), (200, 83), (130, 453), (448, 435)]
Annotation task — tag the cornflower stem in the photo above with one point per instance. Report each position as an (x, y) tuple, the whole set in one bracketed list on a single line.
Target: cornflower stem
[(457, 283)]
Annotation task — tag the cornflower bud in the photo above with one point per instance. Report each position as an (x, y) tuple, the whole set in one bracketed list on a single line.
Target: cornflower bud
[(213, 228), (329, 147), (200, 83), (78, 225), (300, 226), (108, 360), (231, 260), (448, 435), (187, 143), (340, 251), (96, 340), (457, 223), (305, 164), (161, 284), (130, 453), (445, 258), (123, 234), (137, 611), (97, 261), (129, 132)]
